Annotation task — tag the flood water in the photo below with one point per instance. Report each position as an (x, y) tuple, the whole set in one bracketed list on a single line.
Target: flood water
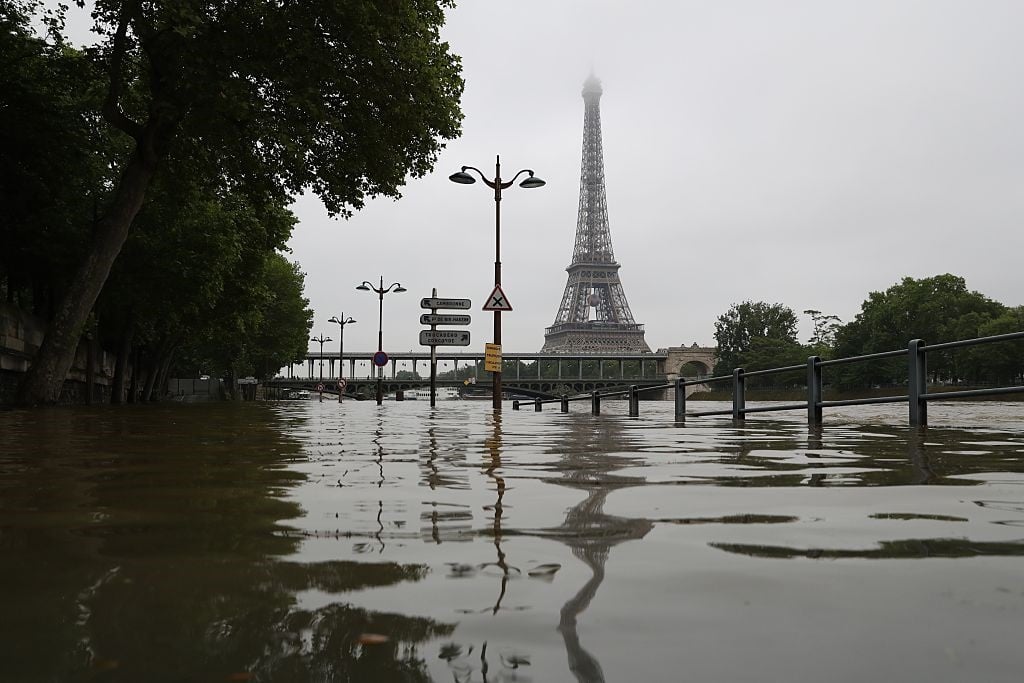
[(307, 541)]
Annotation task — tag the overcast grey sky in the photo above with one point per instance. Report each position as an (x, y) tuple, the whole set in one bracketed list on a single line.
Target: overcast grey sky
[(800, 152)]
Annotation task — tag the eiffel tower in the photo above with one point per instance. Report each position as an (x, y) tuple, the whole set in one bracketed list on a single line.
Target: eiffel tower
[(594, 316)]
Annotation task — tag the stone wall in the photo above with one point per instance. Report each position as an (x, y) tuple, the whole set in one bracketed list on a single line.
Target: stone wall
[(21, 334)]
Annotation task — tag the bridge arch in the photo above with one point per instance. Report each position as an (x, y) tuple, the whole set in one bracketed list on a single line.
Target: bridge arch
[(689, 361)]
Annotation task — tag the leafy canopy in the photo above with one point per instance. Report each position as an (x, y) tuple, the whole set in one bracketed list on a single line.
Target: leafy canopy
[(345, 98)]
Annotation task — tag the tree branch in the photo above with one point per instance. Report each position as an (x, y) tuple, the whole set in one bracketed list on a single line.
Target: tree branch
[(112, 111)]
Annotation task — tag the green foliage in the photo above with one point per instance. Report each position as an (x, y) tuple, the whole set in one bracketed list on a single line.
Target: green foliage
[(271, 98), (935, 309), (1001, 363), (737, 329), (253, 102), (54, 170), (259, 324), (823, 338)]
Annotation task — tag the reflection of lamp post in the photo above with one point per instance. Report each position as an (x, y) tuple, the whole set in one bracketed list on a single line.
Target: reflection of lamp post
[(530, 181), (321, 339), (381, 291), (342, 321)]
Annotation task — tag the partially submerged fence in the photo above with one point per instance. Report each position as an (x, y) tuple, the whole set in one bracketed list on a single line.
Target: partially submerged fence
[(917, 396)]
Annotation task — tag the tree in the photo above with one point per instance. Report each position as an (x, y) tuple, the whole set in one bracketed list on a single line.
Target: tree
[(53, 169), (264, 99), (935, 309), (1001, 363), (823, 338), (737, 328)]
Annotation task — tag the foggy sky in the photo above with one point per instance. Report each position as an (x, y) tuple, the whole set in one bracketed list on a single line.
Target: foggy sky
[(799, 152)]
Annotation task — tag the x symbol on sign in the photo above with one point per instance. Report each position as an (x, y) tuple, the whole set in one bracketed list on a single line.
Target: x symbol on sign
[(498, 300)]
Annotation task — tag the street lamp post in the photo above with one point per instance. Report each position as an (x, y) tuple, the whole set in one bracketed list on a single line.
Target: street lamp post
[(342, 321), (321, 339), (497, 185), (381, 291)]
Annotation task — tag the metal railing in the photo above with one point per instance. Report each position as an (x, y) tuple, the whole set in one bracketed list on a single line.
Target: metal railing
[(917, 396)]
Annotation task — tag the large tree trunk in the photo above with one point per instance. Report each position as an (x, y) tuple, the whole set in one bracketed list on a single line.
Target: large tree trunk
[(152, 369), (45, 379), (161, 378), (121, 366)]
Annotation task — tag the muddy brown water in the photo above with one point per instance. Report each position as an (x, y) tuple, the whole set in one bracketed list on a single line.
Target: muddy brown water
[(307, 541)]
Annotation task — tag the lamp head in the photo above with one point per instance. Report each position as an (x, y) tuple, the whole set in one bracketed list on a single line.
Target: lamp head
[(462, 178), (350, 320), (532, 181), (334, 319), (400, 288), (363, 287)]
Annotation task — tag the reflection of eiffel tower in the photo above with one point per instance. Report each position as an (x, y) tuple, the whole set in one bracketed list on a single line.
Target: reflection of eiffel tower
[(589, 461), (594, 275)]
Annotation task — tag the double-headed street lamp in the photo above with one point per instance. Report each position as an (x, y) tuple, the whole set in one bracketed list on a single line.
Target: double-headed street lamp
[(497, 185), (321, 339), (380, 355), (342, 321)]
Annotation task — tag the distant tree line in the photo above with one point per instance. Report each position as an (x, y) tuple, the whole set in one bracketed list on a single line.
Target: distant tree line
[(759, 335), (146, 178)]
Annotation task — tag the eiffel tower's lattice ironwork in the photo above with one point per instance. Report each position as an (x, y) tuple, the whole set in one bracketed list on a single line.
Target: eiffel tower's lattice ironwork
[(594, 315)]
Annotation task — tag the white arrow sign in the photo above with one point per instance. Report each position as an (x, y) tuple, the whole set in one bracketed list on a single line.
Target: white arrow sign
[(445, 303), (444, 319), (444, 337)]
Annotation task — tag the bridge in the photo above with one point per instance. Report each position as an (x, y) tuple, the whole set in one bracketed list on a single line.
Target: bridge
[(541, 375)]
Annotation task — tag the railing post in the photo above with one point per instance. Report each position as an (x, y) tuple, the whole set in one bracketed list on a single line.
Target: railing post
[(917, 382), (680, 400), (536, 405), (515, 405), (739, 401), (565, 403), (595, 403), (813, 390), (634, 401)]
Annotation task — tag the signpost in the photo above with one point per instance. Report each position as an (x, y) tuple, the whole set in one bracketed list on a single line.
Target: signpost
[(380, 359), (434, 303), (444, 319), (444, 337), (435, 337)]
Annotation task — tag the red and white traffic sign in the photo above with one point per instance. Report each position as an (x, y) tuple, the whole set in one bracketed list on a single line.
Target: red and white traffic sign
[(319, 387), (342, 383), (497, 301)]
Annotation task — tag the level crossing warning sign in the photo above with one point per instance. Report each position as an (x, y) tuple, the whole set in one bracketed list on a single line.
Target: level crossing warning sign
[(497, 301)]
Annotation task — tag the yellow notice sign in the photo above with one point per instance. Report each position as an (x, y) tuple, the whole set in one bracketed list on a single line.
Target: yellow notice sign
[(492, 357)]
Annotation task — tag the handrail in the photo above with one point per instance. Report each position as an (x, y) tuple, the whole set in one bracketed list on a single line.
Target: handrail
[(917, 397)]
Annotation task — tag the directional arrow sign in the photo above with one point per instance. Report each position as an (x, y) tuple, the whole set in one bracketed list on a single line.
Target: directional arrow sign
[(444, 337), (445, 303), (444, 319)]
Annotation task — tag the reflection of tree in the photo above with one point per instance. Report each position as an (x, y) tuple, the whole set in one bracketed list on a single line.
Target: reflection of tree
[(887, 550), (127, 553)]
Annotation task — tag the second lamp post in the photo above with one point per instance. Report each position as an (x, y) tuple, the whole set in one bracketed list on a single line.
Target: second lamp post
[(380, 355), (497, 185), (342, 321), (321, 339)]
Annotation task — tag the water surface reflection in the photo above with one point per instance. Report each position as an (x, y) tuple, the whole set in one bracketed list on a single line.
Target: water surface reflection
[(318, 541)]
